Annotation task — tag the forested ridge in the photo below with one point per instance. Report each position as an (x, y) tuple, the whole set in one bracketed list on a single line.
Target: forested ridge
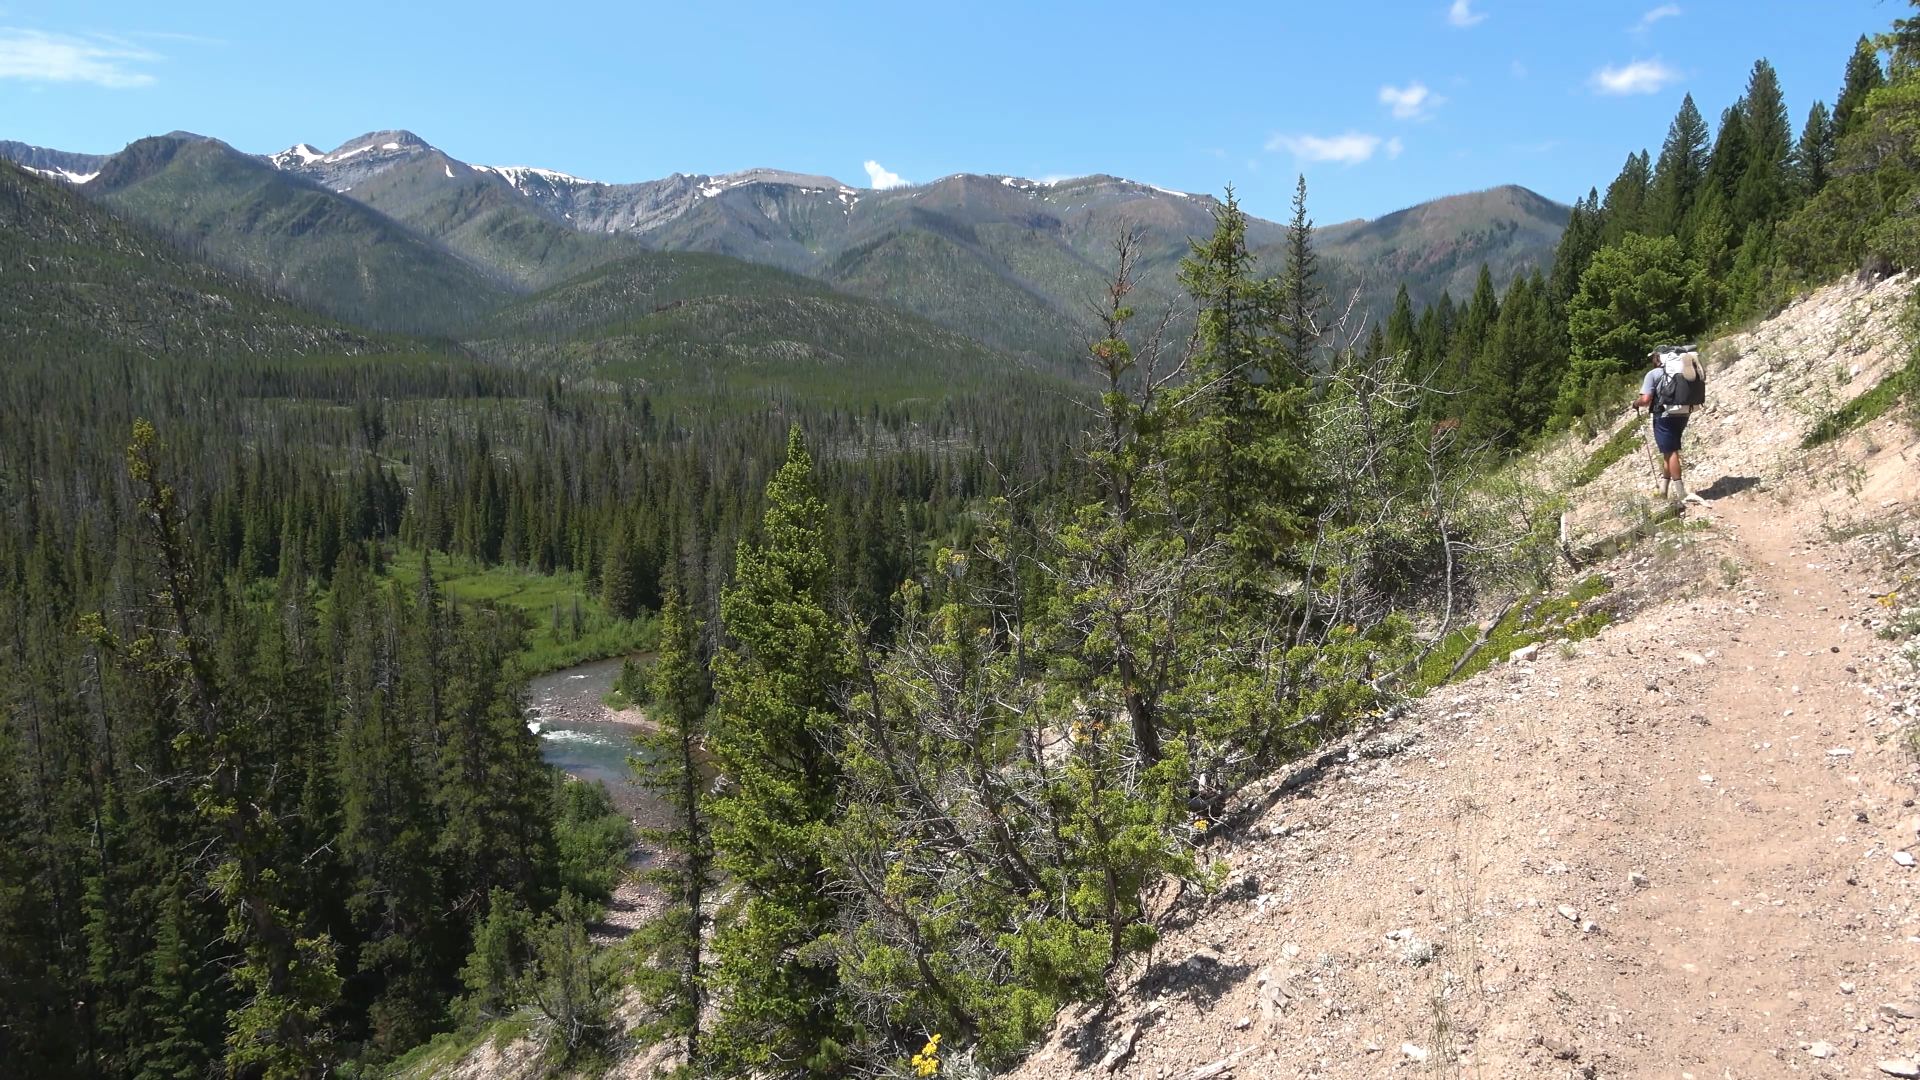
[(952, 673)]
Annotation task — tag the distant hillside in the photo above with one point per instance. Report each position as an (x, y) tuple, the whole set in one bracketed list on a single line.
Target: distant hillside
[(326, 251), (473, 211), (1009, 262), (1440, 245), (689, 325), (76, 282)]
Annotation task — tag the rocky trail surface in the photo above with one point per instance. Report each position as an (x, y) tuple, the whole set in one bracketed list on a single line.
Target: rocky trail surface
[(1677, 852)]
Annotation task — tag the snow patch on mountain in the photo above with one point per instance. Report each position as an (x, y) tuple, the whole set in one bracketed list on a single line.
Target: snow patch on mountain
[(66, 175), (297, 154), (517, 176)]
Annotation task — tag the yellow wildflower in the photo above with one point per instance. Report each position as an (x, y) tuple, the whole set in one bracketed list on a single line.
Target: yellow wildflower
[(927, 1061)]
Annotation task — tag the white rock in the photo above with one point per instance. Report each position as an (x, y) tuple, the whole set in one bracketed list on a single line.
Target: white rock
[(1637, 879), (1589, 926), (1903, 858), (1846, 988), (1524, 652), (1415, 1053), (1569, 913), (1121, 1049), (1900, 1067), (1820, 1050)]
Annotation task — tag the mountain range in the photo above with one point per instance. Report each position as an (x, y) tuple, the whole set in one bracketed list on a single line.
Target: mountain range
[(390, 232)]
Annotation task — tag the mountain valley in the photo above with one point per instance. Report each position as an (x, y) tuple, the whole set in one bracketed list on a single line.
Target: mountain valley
[(1010, 262)]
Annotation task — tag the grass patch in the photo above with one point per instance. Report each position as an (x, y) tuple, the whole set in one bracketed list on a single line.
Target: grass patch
[(569, 625), (1569, 616), (1864, 409), (1622, 444)]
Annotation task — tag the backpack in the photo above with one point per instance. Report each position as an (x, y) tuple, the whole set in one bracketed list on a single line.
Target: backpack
[(1683, 384)]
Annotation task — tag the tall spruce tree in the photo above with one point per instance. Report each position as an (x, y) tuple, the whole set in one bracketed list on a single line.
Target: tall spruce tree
[(670, 765), (1627, 207), (1302, 296), (1237, 435), (1764, 192), (1469, 340), (1517, 373), (1577, 244), (1727, 163), (1402, 329), (773, 735), (1681, 170), (1813, 157), (1864, 76)]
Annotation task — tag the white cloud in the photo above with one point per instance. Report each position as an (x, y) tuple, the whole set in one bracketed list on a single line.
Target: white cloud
[(880, 178), (1349, 149), (1462, 13), (1416, 102), (1664, 11), (41, 57), (1639, 77)]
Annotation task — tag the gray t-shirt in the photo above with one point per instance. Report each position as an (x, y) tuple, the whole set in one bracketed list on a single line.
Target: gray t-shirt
[(1652, 382)]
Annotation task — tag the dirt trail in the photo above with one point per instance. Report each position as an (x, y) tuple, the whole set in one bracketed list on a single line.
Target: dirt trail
[(1716, 748)]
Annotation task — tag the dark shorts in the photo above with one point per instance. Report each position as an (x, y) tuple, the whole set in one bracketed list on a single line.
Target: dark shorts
[(1666, 432)]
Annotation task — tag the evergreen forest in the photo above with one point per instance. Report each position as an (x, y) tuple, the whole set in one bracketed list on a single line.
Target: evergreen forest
[(952, 659)]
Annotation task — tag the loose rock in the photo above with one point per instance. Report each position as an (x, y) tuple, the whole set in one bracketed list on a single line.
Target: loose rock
[(1121, 1048)]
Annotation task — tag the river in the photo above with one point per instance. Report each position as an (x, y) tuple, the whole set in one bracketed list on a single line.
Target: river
[(564, 709)]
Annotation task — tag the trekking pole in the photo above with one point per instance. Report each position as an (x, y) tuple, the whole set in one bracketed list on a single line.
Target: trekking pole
[(1659, 463)]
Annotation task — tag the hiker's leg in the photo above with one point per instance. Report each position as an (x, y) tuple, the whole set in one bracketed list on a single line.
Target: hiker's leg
[(1673, 465)]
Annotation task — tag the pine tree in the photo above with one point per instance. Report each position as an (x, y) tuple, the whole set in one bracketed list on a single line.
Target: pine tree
[(1236, 428), (1727, 163), (620, 581), (1402, 330), (1469, 341), (1764, 192), (1576, 248), (1626, 208), (1517, 374), (669, 764), (1680, 172), (1813, 157), (1864, 76), (775, 690), (1302, 297)]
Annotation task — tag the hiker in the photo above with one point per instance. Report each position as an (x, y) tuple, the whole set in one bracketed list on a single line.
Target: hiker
[(1674, 385)]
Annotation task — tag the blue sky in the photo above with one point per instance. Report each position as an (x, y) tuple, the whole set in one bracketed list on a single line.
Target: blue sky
[(1382, 104)]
